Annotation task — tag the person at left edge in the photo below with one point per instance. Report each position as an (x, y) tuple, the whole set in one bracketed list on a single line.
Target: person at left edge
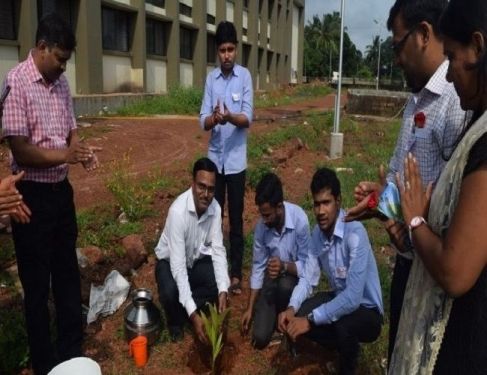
[(39, 124)]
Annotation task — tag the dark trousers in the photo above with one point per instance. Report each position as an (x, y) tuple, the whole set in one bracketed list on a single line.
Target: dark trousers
[(46, 255), (234, 186), (362, 325), (273, 298), (201, 281), (398, 288)]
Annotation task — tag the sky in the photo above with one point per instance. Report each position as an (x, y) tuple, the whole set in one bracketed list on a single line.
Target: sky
[(359, 17)]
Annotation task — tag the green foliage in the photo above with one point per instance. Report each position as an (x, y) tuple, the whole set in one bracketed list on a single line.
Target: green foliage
[(321, 48), (255, 173), (214, 330), (7, 251), (290, 95), (100, 227), (14, 350), (179, 100), (134, 195)]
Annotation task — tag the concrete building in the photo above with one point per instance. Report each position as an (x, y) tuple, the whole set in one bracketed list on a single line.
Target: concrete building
[(149, 45)]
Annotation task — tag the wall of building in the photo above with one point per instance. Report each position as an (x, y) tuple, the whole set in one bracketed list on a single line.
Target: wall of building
[(270, 32)]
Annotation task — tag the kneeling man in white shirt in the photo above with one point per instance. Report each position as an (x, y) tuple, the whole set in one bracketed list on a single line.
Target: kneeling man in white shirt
[(192, 261)]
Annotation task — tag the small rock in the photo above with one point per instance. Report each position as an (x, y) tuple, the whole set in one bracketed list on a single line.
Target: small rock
[(346, 170), (84, 124), (122, 218), (135, 250), (305, 123), (298, 171), (91, 255), (299, 143)]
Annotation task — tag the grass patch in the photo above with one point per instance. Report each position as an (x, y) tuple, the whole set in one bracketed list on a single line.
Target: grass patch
[(14, 350), (100, 227), (133, 195), (290, 95), (178, 101)]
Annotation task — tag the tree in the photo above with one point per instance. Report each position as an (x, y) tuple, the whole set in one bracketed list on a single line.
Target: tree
[(321, 48)]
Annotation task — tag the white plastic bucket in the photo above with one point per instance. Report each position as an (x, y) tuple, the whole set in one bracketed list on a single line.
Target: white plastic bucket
[(77, 366)]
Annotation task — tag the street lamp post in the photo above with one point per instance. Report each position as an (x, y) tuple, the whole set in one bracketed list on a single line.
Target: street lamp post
[(336, 141), (378, 68)]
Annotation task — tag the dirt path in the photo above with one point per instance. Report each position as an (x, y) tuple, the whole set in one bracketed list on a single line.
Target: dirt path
[(166, 145)]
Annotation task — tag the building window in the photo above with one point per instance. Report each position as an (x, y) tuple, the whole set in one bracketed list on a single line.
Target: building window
[(269, 61), (186, 43), (116, 29), (260, 57), (245, 54), (185, 10), (210, 19), (269, 9), (261, 4), (246, 4), (244, 31), (8, 20), (66, 9), (210, 49), (157, 3), (156, 37)]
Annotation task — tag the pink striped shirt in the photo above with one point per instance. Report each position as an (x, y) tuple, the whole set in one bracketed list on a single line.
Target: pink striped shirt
[(41, 112)]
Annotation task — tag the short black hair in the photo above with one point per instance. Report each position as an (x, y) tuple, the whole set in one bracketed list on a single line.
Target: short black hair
[(204, 164), (269, 190), (325, 178), (459, 22), (55, 32), (225, 33), (414, 12)]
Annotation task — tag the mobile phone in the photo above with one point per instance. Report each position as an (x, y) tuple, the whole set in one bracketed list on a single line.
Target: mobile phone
[(4, 94)]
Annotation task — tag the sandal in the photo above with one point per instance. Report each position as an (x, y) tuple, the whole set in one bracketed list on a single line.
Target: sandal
[(235, 288)]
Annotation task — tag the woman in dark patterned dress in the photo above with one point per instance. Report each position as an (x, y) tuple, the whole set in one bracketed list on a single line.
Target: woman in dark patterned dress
[(443, 328)]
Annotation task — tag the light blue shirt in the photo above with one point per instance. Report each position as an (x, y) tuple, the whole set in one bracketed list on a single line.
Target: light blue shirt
[(349, 264), (228, 143), (292, 245)]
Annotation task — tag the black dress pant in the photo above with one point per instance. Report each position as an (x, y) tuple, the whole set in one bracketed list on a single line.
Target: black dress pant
[(201, 281), (46, 256), (273, 299), (345, 334), (234, 186), (398, 288)]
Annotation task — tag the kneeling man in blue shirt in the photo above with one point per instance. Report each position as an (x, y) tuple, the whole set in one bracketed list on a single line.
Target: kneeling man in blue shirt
[(281, 246), (352, 312)]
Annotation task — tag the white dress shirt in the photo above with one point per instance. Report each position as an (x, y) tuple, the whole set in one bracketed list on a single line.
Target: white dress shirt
[(187, 238)]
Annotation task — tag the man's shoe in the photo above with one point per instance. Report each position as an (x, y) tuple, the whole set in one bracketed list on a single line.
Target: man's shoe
[(176, 333)]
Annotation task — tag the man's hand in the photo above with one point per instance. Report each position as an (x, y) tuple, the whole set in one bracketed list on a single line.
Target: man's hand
[(222, 302), (199, 328), (78, 152), (11, 201), (297, 327), (92, 163), (284, 318), (246, 321), (274, 267), (365, 188), (398, 234)]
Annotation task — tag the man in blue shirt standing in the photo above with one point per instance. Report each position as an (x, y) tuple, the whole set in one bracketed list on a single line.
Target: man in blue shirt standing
[(227, 112), (281, 246), (352, 312)]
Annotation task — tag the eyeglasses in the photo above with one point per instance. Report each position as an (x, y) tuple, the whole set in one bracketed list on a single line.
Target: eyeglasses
[(398, 46), (202, 188)]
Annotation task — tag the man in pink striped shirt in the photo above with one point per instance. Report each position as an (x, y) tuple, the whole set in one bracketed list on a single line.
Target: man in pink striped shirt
[(38, 122)]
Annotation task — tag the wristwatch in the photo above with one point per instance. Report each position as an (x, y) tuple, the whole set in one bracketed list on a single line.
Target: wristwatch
[(283, 268), (311, 318), (416, 222)]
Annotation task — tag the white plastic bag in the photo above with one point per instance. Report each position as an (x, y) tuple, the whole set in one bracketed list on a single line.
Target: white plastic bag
[(107, 298)]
